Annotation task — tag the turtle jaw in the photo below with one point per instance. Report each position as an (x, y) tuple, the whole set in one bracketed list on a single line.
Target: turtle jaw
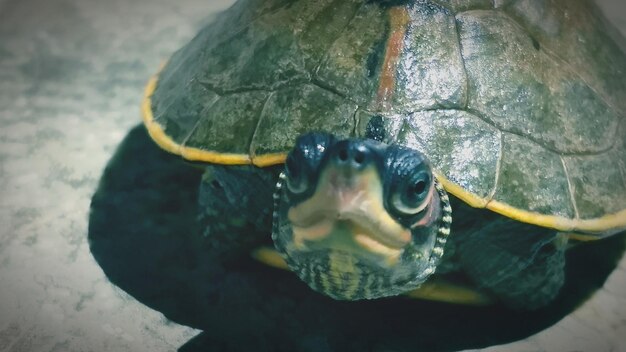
[(338, 233)]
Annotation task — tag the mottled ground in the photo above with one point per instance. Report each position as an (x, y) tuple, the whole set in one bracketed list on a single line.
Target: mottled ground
[(71, 78)]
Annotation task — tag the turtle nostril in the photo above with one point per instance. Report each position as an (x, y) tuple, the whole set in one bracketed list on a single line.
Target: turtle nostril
[(359, 157), (352, 154), (343, 154)]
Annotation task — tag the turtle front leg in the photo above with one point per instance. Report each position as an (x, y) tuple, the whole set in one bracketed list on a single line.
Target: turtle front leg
[(522, 264), (235, 209)]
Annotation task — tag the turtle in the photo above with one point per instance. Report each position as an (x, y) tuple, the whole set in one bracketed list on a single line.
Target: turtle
[(442, 149)]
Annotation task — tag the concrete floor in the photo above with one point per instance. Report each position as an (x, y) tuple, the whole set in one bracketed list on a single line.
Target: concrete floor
[(71, 78)]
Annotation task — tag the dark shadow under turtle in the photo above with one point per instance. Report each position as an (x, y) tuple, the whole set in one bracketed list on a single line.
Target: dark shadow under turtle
[(143, 233)]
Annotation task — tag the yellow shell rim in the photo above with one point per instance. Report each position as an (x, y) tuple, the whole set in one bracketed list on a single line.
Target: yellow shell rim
[(609, 222)]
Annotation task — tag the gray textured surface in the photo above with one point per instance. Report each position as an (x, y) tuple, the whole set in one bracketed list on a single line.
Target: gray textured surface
[(71, 78)]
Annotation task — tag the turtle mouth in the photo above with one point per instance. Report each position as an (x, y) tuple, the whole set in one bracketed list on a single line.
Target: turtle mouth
[(346, 212), (361, 225)]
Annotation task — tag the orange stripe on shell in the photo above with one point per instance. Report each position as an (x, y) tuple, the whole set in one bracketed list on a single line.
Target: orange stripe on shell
[(399, 20)]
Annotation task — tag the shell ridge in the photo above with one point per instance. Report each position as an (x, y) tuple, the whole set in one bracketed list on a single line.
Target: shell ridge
[(195, 125), (496, 182), (570, 188), (460, 52), (478, 114), (258, 123), (323, 59)]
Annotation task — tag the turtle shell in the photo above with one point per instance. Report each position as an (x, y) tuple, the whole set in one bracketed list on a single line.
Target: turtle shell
[(520, 105)]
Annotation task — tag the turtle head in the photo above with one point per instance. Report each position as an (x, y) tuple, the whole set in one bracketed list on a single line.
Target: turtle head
[(359, 219)]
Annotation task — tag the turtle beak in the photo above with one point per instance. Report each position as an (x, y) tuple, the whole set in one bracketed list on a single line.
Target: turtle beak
[(346, 211)]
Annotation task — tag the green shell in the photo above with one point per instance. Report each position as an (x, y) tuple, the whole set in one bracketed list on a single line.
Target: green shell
[(522, 105)]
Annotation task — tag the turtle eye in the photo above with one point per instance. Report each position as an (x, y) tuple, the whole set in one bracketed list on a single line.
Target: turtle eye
[(411, 196), (296, 179), (303, 161), (409, 180)]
